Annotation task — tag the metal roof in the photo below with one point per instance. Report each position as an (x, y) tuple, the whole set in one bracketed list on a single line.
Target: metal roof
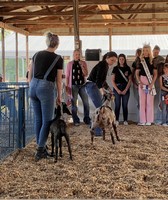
[(92, 17)]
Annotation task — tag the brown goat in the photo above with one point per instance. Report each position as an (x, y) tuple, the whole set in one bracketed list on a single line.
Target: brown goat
[(104, 117)]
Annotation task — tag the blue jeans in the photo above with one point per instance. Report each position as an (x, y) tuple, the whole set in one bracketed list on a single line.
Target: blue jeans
[(136, 98), (124, 99), (164, 110), (78, 89), (157, 100), (94, 93), (42, 94), (96, 97)]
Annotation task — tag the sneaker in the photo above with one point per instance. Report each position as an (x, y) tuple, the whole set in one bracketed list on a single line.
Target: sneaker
[(158, 123), (141, 124), (148, 124), (117, 123), (164, 124), (125, 123)]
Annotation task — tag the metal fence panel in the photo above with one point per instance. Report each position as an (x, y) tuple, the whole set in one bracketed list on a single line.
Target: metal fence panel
[(16, 117)]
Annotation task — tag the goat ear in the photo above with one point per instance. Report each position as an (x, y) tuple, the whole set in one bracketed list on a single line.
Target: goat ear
[(65, 109), (58, 111), (55, 111), (113, 97), (102, 110)]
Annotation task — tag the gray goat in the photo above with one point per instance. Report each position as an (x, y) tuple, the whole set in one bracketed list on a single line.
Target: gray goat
[(104, 117)]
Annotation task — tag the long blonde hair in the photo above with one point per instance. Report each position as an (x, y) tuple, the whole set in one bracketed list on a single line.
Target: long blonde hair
[(147, 46)]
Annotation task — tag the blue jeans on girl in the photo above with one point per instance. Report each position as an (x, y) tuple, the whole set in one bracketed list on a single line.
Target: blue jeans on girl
[(96, 97), (164, 107), (124, 99), (94, 93)]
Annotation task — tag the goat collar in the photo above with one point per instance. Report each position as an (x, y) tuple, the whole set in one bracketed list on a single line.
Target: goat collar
[(106, 107)]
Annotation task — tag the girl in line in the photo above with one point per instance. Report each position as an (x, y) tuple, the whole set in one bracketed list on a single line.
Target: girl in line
[(164, 94), (146, 83), (121, 81)]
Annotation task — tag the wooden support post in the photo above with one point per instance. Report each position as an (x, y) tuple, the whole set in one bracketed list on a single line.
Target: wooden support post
[(3, 54), (27, 51), (110, 39), (76, 24), (17, 67)]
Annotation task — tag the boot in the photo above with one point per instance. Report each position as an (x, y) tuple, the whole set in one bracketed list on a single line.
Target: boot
[(41, 153)]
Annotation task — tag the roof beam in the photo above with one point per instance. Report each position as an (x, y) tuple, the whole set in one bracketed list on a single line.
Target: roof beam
[(106, 33), (100, 26), (82, 2), (97, 21), (96, 12), (64, 25), (13, 28)]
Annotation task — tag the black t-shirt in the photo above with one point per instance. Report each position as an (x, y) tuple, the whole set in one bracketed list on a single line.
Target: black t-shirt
[(118, 77), (135, 64), (43, 61), (77, 75), (150, 67), (99, 73), (165, 81)]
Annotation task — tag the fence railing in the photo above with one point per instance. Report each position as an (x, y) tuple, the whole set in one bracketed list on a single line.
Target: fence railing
[(16, 117)]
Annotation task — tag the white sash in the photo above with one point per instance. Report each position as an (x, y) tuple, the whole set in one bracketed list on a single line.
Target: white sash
[(153, 90), (165, 77), (123, 75)]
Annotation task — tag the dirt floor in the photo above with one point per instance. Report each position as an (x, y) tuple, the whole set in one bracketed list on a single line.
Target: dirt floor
[(134, 168)]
